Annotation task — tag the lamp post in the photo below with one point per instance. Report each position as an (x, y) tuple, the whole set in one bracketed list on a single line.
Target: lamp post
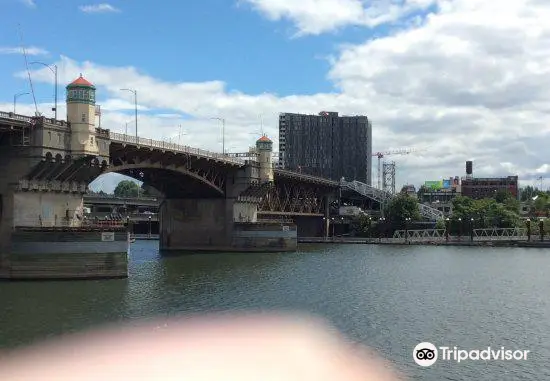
[(528, 223), (460, 229), (133, 91), (223, 132), (369, 227), (149, 226), (180, 134), (15, 99), (325, 226), (471, 230), (381, 222), (541, 229), (407, 220), (53, 69)]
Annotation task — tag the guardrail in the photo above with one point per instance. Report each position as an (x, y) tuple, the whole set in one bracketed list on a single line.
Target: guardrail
[(63, 223), (106, 216), (11, 115), (115, 198), (367, 190), (150, 143), (305, 176), (145, 236)]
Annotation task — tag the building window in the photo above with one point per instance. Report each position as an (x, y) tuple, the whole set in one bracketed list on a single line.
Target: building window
[(92, 96), (59, 138), (49, 136), (83, 117)]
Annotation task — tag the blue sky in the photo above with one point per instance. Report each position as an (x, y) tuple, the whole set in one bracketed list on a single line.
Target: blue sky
[(429, 73), (188, 41)]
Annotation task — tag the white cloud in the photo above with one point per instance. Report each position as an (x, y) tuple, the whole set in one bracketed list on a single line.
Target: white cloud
[(98, 8), (318, 16), (31, 50), (465, 87), (29, 3)]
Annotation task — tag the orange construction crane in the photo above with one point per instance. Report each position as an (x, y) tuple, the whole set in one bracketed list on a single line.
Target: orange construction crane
[(400, 151)]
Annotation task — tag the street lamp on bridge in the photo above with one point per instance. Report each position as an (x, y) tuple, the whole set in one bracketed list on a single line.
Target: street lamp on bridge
[(133, 91), (223, 132), (53, 69), (15, 99)]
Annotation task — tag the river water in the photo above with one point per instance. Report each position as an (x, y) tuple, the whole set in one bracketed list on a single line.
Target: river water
[(388, 297)]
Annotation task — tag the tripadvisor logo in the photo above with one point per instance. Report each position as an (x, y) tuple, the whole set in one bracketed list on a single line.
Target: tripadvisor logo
[(426, 354)]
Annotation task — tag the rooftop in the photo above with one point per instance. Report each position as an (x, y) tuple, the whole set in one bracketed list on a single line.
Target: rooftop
[(81, 81)]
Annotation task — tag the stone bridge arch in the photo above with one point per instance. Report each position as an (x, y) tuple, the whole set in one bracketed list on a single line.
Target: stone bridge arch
[(174, 181), (182, 173)]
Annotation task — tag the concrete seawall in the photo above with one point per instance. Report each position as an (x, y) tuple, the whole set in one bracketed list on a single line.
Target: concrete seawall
[(36, 254)]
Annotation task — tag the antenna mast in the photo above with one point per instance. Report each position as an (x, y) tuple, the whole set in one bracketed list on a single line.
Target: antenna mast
[(28, 71), (262, 124)]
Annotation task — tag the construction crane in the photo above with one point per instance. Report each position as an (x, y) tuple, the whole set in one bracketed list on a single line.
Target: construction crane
[(380, 155)]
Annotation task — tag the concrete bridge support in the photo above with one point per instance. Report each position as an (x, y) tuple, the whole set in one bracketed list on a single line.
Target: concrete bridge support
[(195, 223), (222, 224)]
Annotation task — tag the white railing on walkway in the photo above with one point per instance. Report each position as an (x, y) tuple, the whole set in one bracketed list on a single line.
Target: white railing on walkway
[(479, 235), (431, 213), (159, 144), (366, 190)]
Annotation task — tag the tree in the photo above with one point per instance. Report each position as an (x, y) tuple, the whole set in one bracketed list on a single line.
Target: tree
[(361, 225), (486, 213), (528, 193), (502, 195), (127, 188), (403, 206)]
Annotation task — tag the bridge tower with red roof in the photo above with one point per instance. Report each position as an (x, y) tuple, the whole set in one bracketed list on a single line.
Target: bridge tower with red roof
[(81, 116), (264, 146)]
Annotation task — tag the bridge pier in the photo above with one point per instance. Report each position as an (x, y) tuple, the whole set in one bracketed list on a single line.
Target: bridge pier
[(195, 223), (42, 237), (224, 224)]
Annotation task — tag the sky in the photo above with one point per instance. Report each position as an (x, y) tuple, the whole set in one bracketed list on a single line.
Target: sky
[(455, 79)]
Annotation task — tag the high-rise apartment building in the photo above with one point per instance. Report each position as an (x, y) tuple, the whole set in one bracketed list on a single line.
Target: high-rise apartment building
[(326, 145)]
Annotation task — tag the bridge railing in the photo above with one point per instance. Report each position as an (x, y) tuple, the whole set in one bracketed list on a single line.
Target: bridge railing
[(431, 213), (39, 222), (304, 176), (119, 216), (11, 115), (366, 190), (89, 196), (151, 143)]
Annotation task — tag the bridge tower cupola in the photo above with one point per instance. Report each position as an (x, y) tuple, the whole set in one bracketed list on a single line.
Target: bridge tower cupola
[(81, 116), (264, 146)]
